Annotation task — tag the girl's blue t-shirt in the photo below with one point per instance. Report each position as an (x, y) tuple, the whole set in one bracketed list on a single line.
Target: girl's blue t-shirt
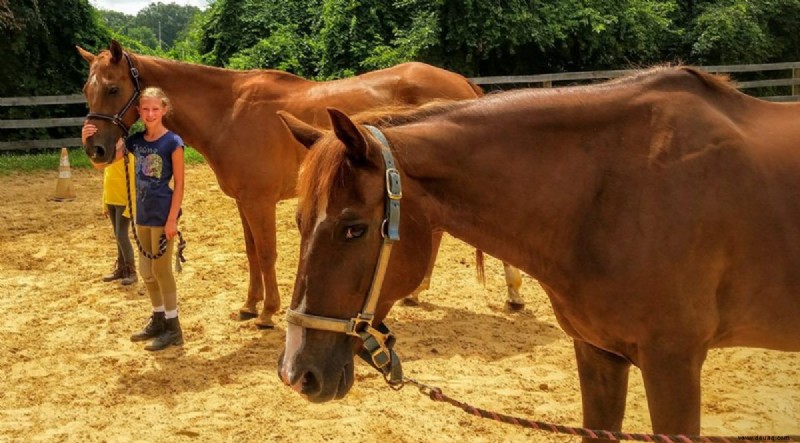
[(153, 174)]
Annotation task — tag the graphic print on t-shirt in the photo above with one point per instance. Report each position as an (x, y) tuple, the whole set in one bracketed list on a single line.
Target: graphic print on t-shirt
[(153, 166)]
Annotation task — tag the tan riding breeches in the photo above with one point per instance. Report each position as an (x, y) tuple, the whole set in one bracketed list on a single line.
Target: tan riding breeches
[(157, 274)]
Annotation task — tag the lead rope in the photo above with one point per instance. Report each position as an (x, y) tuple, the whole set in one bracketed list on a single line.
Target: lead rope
[(436, 394), (162, 241)]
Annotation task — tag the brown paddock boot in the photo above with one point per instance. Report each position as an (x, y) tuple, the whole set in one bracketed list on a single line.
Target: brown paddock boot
[(172, 335), (116, 274), (128, 275), (155, 327)]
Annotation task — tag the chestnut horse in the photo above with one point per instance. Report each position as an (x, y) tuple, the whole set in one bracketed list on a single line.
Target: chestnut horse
[(659, 212), (230, 118)]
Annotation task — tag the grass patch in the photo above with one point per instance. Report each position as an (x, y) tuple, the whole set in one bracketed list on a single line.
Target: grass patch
[(11, 162)]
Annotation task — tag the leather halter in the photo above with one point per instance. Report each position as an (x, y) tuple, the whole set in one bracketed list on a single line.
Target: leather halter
[(117, 118), (378, 340)]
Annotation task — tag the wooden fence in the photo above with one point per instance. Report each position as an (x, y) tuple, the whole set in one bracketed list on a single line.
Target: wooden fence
[(548, 80), (541, 80), (42, 123)]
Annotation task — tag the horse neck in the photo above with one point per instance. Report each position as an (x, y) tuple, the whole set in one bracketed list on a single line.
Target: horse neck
[(200, 96), (488, 185), (196, 94)]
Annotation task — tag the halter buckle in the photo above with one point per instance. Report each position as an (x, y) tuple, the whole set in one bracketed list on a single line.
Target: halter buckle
[(393, 188), (355, 327)]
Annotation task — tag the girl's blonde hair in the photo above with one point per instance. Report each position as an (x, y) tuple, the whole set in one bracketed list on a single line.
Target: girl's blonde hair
[(156, 92)]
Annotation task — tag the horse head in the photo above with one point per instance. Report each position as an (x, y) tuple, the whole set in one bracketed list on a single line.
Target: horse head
[(342, 219), (111, 91)]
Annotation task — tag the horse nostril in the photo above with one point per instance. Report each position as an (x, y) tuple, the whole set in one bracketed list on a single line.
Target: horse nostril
[(309, 384), (99, 151)]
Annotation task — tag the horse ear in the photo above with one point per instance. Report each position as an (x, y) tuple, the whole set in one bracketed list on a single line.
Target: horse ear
[(304, 133), (88, 56), (116, 51), (348, 133)]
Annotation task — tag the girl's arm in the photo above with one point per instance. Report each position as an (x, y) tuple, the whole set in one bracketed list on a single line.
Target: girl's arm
[(171, 228)]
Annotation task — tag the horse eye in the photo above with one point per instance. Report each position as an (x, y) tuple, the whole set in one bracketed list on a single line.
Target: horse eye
[(355, 231), (113, 89)]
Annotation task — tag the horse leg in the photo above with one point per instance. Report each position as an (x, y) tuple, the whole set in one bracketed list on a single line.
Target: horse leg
[(255, 290), (672, 383), (413, 299), (261, 219), (604, 387), (513, 282)]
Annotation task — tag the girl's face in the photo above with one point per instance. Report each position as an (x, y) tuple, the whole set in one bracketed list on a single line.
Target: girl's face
[(151, 111)]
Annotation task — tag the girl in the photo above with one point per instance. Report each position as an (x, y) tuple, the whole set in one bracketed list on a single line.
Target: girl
[(159, 158)]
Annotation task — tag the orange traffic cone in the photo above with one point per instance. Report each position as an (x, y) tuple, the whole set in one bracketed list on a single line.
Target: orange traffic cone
[(64, 190)]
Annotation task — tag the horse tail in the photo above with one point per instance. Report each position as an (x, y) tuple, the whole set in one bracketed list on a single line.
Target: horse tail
[(478, 90), (479, 267)]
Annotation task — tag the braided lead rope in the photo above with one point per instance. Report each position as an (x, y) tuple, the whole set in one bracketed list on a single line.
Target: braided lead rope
[(436, 394)]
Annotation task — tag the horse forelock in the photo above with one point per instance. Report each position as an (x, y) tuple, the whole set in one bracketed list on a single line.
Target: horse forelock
[(322, 169)]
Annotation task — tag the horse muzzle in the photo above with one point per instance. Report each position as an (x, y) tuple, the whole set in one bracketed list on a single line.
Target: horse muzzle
[(99, 153), (316, 384)]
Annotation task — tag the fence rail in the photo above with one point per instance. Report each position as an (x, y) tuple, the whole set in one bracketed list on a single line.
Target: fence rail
[(543, 80), (548, 80), (26, 145)]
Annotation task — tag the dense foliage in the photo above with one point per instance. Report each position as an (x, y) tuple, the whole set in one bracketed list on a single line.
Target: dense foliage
[(38, 45), (335, 38)]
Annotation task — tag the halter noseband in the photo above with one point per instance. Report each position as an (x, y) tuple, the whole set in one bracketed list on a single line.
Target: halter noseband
[(117, 118), (378, 340)]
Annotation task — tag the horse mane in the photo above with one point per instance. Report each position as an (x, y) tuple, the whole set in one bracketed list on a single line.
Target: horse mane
[(398, 115), (717, 82), (275, 75)]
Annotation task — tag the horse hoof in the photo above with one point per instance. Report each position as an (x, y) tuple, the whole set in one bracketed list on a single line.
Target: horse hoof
[(411, 301), (264, 326), (514, 306), (244, 315)]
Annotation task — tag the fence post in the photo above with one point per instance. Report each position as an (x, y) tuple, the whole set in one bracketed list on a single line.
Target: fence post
[(796, 77), (547, 84)]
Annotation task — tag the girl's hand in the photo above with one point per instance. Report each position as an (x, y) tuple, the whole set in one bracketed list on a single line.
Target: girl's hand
[(171, 229), (87, 131)]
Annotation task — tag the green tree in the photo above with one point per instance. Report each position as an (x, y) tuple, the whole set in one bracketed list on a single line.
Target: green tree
[(39, 57), (233, 26), (782, 19), (166, 20), (284, 49), (38, 52), (351, 29), (742, 31), (116, 21), (143, 35), (729, 32), (485, 37), (187, 46)]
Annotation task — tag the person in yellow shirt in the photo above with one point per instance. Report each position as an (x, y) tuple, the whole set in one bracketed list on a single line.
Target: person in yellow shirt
[(115, 207)]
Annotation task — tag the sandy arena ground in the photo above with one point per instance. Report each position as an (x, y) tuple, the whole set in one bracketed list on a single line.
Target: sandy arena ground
[(71, 374)]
